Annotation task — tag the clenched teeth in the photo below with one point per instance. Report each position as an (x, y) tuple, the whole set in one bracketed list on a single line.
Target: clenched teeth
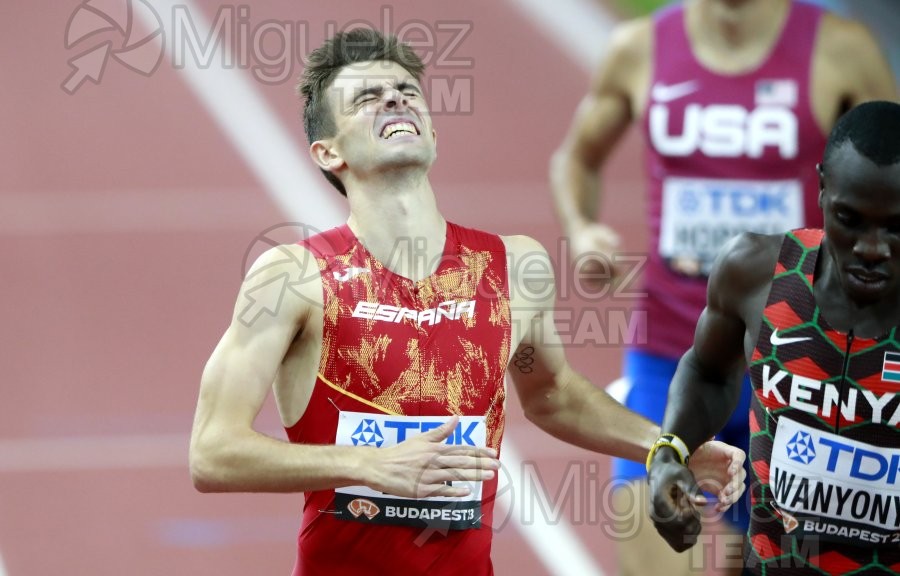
[(392, 130)]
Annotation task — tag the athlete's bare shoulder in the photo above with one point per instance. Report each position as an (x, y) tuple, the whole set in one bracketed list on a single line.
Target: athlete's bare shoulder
[(633, 38), (742, 271), (625, 68), (520, 242), (531, 273), (629, 55), (839, 34), (851, 61), (282, 286), (526, 255), (532, 284)]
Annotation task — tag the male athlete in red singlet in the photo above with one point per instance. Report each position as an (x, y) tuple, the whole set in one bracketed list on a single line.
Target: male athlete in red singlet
[(397, 355), (733, 99), (816, 315), (387, 341)]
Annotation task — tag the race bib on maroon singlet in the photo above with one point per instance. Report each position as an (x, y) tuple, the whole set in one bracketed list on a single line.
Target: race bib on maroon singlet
[(700, 215), (834, 488), (362, 504)]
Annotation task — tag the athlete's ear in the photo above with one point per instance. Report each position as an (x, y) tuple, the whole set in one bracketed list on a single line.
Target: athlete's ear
[(820, 170), (325, 156)]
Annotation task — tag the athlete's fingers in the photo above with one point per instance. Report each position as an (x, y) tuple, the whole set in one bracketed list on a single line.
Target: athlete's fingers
[(664, 507), (466, 461), (734, 487), (443, 431), (738, 458), (698, 500), (678, 504), (680, 526), (732, 493), (691, 491), (474, 451), (439, 475), (606, 235), (440, 489), (727, 494)]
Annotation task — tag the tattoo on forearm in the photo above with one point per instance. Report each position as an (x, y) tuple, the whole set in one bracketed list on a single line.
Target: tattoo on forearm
[(524, 360)]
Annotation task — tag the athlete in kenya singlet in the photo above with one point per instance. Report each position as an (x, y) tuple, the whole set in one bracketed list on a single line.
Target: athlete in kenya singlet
[(398, 357), (825, 442)]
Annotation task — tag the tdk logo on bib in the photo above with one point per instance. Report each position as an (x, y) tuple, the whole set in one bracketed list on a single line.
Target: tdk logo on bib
[(405, 428), (861, 463), (366, 429), (367, 434), (829, 455), (800, 448)]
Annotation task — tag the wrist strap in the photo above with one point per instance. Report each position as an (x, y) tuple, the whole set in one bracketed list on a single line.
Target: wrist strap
[(673, 442)]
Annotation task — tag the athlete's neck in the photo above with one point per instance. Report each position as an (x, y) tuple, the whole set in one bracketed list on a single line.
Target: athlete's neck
[(401, 227), (733, 36), (866, 320)]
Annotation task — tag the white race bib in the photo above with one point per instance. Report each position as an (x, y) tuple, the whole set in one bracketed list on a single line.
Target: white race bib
[(362, 504), (700, 215), (835, 488)]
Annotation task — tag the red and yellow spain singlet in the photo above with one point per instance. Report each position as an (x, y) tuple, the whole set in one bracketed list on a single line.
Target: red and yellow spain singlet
[(397, 358), (825, 442)]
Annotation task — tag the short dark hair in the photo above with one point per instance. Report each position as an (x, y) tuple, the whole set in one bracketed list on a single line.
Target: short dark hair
[(874, 130), (327, 61)]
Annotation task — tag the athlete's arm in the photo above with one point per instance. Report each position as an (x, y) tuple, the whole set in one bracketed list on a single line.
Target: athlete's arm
[(707, 384), (228, 455), (554, 396), (850, 64), (563, 403), (600, 120)]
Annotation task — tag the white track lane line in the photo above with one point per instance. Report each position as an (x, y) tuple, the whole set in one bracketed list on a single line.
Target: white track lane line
[(556, 544), (580, 28), (249, 123)]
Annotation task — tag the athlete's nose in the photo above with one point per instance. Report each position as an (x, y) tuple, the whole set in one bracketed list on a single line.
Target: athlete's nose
[(872, 246), (394, 98)]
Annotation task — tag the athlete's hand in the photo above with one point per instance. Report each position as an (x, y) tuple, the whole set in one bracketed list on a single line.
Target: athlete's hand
[(718, 469), (675, 500), (593, 248), (425, 465)]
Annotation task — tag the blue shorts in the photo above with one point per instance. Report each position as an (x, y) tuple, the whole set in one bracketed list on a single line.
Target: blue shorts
[(650, 375)]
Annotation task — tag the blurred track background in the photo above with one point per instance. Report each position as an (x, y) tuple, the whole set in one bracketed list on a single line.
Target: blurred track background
[(144, 164)]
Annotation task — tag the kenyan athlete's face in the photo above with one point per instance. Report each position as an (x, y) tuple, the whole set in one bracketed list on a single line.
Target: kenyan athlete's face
[(861, 206)]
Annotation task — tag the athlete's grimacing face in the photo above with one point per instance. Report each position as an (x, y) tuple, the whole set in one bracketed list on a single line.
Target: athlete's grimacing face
[(861, 207), (381, 117)]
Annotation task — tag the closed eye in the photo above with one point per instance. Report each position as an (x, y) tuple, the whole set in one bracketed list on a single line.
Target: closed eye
[(847, 218)]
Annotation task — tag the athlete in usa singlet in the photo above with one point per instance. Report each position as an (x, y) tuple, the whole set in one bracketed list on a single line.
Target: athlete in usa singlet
[(397, 358), (825, 444), (726, 154)]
